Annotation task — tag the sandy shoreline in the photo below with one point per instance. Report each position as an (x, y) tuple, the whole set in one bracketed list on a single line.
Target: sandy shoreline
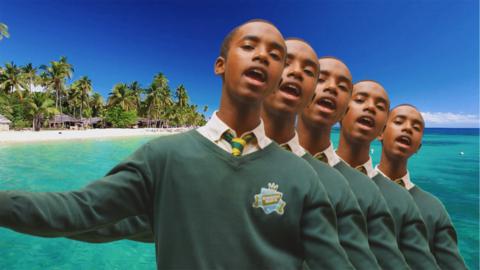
[(11, 137)]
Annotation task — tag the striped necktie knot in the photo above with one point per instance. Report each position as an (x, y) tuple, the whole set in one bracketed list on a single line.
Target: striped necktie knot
[(286, 147), (362, 169), (321, 156), (237, 143), (400, 182)]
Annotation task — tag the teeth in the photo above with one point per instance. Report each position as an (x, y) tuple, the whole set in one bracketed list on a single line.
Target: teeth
[(259, 73)]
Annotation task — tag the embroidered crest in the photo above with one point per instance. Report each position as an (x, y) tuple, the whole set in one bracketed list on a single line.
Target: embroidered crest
[(270, 200)]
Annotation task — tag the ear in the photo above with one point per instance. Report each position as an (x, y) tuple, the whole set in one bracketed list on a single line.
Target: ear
[(420, 146), (380, 137), (219, 68)]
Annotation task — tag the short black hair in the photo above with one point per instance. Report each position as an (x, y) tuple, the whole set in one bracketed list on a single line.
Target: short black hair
[(331, 57), (226, 41), (357, 82), (405, 104)]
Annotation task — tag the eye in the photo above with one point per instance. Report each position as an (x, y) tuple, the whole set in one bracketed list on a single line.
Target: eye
[(309, 72), (397, 122), (321, 80), (381, 107), (417, 128), (247, 47), (343, 88), (275, 56), (358, 100)]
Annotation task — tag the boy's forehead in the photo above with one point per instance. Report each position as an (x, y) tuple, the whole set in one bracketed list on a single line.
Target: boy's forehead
[(260, 30), (370, 88), (335, 66), (407, 112), (297, 48)]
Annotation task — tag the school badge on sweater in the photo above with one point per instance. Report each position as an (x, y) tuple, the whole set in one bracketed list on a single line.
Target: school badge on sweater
[(270, 200)]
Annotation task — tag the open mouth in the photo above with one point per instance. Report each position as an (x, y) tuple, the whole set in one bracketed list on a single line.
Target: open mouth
[(405, 140), (257, 74), (366, 121), (327, 102), (291, 89)]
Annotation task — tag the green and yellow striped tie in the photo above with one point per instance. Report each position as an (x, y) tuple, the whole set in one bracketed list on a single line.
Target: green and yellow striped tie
[(321, 156), (237, 143), (286, 147), (362, 169), (400, 182)]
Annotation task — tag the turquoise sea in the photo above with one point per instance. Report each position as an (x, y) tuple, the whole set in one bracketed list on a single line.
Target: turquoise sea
[(439, 168)]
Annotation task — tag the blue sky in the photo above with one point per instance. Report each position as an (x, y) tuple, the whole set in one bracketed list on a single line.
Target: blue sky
[(423, 52)]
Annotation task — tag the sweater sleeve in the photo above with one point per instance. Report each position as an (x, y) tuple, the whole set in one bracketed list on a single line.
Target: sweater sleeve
[(125, 191), (445, 248), (135, 228), (381, 235), (320, 241), (352, 232), (413, 242)]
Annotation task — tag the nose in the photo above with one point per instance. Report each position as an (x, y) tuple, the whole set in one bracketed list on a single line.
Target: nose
[(294, 70), (370, 106), (261, 55), (407, 128), (330, 87)]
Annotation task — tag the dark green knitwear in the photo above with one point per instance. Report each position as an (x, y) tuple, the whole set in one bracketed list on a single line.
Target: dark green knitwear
[(409, 227), (351, 226), (380, 228), (441, 234), (208, 209)]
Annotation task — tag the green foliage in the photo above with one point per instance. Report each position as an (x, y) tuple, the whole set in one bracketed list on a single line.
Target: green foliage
[(124, 105), (120, 118), (4, 31)]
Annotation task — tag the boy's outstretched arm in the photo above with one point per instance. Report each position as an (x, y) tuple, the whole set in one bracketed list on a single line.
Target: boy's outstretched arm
[(125, 191), (137, 228)]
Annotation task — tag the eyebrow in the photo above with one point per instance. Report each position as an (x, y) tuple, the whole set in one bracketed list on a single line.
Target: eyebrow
[(415, 121), (274, 44)]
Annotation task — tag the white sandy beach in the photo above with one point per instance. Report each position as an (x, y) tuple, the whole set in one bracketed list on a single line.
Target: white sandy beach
[(7, 137)]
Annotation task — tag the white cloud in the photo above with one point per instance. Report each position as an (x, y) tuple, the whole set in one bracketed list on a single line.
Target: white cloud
[(448, 119)]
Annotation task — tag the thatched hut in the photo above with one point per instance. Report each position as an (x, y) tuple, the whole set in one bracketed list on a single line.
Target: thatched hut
[(63, 120), (4, 123)]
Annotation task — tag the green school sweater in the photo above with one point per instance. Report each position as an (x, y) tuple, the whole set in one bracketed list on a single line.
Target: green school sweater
[(208, 209), (351, 226), (380, 228), (441, 234), (410, 229)]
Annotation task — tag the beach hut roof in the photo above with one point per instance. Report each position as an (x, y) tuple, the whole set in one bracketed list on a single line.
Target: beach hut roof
[(62, 118), (4, 120)]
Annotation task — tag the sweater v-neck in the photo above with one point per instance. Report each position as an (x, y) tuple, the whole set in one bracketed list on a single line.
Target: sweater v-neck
[(228, 157)]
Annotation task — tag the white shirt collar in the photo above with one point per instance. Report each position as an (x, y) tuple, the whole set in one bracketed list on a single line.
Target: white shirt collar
[(406, 178), (332, 157), (215, 128), (294, 144), (368, 166)]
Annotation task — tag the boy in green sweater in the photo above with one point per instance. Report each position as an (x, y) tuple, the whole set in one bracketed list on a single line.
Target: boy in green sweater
[(208, 208), (332, 93), (315, 123), (364, 121), (402, 138)]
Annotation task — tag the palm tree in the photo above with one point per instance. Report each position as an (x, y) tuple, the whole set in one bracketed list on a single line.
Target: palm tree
[(84, 86), (55, 76), (40, 106), (12, 79), (181, 96), (96, 103), (73, 99), (124, 97), (29, 75), (4, 31), (137, 92)]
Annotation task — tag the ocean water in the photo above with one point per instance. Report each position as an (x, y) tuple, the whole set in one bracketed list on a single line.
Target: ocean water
[(439, 167)]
